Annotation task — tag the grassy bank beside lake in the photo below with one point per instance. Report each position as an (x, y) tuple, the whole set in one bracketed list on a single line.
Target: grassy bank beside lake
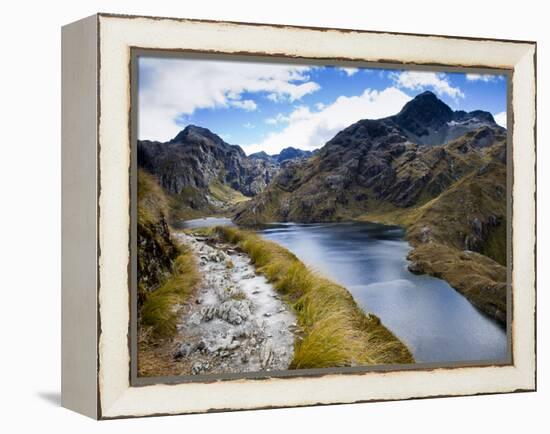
[(335, 331), (460, 236)]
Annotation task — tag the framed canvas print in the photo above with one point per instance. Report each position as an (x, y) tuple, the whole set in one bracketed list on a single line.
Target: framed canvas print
[(261, 216)]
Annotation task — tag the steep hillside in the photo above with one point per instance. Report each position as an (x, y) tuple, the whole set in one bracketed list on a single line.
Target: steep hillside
[(460, 236), (379, 164), (201, 173), (166, 271), (155, 248), (347, 180)]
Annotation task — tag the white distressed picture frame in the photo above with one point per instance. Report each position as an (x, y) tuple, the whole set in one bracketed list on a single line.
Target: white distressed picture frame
[(96, 218)]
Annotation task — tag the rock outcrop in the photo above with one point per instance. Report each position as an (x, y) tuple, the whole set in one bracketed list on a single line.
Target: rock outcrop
[(196, 158), (156, 250), (427, 120)]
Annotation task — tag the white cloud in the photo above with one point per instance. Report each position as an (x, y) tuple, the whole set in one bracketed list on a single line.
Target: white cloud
[(418, 80), (349, 71), (482, 77), (279, 118), (308, 129), (319, 106), (172, 87), (294, 93), (501, 119), (246, 104), (248, 125)]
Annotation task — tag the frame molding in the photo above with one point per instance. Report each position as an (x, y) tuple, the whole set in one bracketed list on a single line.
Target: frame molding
[(135, 380), (114, 37)]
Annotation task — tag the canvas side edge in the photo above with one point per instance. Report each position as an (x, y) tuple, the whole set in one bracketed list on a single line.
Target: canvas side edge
[(79, 217)]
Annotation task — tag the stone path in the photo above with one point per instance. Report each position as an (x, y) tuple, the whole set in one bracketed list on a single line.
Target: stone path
[(237, 322)]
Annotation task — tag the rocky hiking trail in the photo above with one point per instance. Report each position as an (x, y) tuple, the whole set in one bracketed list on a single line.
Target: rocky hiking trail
[(236, 322)]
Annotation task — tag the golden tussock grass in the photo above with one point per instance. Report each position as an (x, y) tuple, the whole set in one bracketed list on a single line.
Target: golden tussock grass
[(160, 308), (335, 330)]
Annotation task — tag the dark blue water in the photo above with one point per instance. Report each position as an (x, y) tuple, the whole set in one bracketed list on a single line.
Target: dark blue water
[(437, 323)]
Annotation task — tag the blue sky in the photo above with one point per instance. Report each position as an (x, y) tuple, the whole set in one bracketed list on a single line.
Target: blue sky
[(269, 106)]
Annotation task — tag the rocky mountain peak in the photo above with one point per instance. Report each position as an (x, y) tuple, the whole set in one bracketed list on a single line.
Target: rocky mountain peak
[(196, 133), (426, 120), (480, 115), (261, 155), (198, 159), (291, 153), (424, 111)]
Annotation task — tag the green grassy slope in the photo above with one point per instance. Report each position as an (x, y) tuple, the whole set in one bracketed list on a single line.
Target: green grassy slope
[(167, 273), (471, 213)]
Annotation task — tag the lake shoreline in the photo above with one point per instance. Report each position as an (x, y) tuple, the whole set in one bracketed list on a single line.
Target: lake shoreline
[(427, 261), (436, 321), (477, 277), (336, 332), (486, 329), (249, 314)]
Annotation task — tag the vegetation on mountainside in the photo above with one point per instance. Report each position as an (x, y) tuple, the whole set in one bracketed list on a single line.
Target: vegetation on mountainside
[(335, 330), (225, 194), (190, 203), (495, 246), (167, 272), (336, 186), (479, 278), (453, 196), (462, 215), (156, 250), (471, 213)]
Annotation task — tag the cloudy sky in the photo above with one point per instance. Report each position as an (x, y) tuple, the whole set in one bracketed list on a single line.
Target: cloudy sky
[(269, 106)]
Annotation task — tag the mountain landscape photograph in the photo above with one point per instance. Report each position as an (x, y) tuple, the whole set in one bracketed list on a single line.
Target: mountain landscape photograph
[(298, 216)]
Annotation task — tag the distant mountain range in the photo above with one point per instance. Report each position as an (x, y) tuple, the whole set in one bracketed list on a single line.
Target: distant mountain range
[(286, 154), (203, 172)]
